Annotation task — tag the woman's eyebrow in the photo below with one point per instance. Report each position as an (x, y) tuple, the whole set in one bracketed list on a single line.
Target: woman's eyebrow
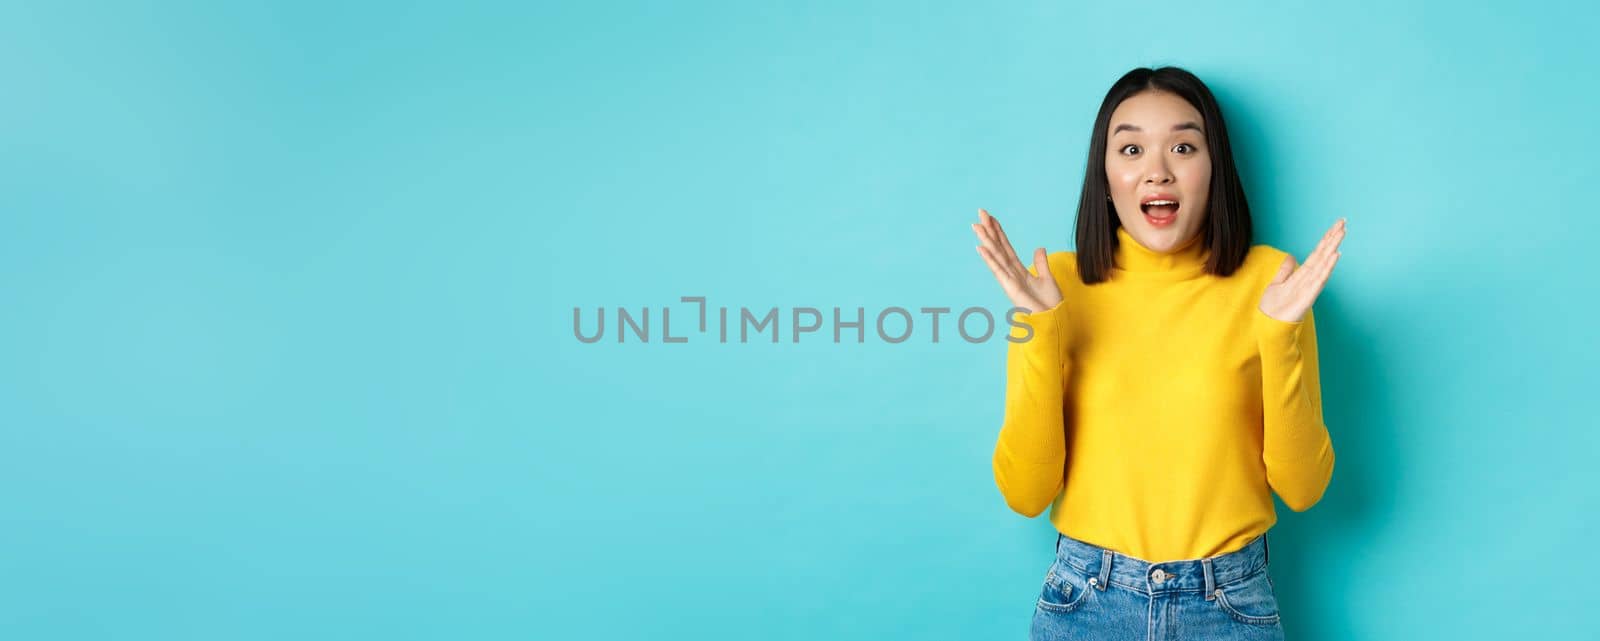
[(1178, 127)]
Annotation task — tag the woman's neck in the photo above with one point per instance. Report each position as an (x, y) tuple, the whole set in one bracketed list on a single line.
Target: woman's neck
[(1132, 259)]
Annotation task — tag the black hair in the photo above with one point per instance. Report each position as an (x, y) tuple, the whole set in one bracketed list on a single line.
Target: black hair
[(1227, 230)]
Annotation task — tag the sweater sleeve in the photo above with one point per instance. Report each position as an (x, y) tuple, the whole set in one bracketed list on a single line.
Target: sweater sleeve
[(1030, 455), (1296, 448)]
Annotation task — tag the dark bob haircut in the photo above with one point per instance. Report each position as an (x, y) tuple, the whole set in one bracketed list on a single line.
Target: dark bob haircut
[(1227, 230)]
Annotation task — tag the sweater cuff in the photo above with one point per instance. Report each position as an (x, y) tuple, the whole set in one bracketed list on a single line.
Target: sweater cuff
[(1277, 335), (1046, 325)]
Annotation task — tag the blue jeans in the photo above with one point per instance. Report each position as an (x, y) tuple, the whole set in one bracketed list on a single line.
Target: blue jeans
[(1094, 593)]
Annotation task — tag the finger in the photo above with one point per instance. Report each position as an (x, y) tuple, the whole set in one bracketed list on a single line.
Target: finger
[(994, 266), (1013, 289), (1314, 258), (1012, 251), (986, 230), (988, 221), (1328, 271), (1005, 244), (990, 243), (1041, 263), (1335, 236), (1320, 281), (985, 235), (1314, 261), (1330, 241), (1284, 269)]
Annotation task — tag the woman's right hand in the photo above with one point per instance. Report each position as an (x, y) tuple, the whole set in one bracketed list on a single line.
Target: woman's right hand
[(1033, 292)]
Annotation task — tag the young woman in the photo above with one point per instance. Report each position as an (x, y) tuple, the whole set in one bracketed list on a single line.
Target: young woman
[(1168, 384)]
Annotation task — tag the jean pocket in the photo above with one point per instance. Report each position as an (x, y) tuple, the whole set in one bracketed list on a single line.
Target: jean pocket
[(1249, 600), (1063, 591)]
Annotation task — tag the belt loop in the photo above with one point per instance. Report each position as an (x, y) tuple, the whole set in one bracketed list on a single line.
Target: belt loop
[(1266, 550), (1211, 580), (1105, 569)]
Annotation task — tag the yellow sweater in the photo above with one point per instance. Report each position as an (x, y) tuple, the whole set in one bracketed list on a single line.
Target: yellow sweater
[(1153, 412)]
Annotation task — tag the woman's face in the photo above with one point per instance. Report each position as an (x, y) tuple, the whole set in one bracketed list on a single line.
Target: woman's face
[(1156, 150)]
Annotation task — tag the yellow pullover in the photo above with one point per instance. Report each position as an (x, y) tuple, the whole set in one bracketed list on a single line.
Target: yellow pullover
[(1153, 412)]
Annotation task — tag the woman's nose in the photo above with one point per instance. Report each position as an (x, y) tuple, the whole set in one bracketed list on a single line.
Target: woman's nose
[(1157, 172)]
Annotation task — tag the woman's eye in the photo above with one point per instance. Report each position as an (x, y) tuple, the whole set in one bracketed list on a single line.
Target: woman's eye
[(1125, 148), (1185, 146)]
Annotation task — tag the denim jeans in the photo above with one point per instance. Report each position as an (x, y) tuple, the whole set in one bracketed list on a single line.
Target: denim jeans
[(1094, 593)]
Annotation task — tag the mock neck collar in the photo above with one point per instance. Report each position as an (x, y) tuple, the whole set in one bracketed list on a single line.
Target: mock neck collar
[(1137, 261)]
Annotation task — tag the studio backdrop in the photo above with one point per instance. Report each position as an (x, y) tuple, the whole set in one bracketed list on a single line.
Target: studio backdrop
[(428, 321)]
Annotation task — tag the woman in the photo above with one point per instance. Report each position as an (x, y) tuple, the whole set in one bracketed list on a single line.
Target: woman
[(1168, 384)]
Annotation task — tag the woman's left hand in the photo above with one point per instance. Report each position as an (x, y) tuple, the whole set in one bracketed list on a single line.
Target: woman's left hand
[(1294, 289)]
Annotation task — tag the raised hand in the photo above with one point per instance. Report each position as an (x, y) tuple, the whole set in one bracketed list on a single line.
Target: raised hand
[(1034, 292), (1293, 290)]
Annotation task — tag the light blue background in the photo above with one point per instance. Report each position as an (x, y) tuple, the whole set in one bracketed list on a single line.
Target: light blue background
[(286, 349)]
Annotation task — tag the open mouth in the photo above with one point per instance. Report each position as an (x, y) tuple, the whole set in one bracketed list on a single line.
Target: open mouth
[(1159, 210)]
